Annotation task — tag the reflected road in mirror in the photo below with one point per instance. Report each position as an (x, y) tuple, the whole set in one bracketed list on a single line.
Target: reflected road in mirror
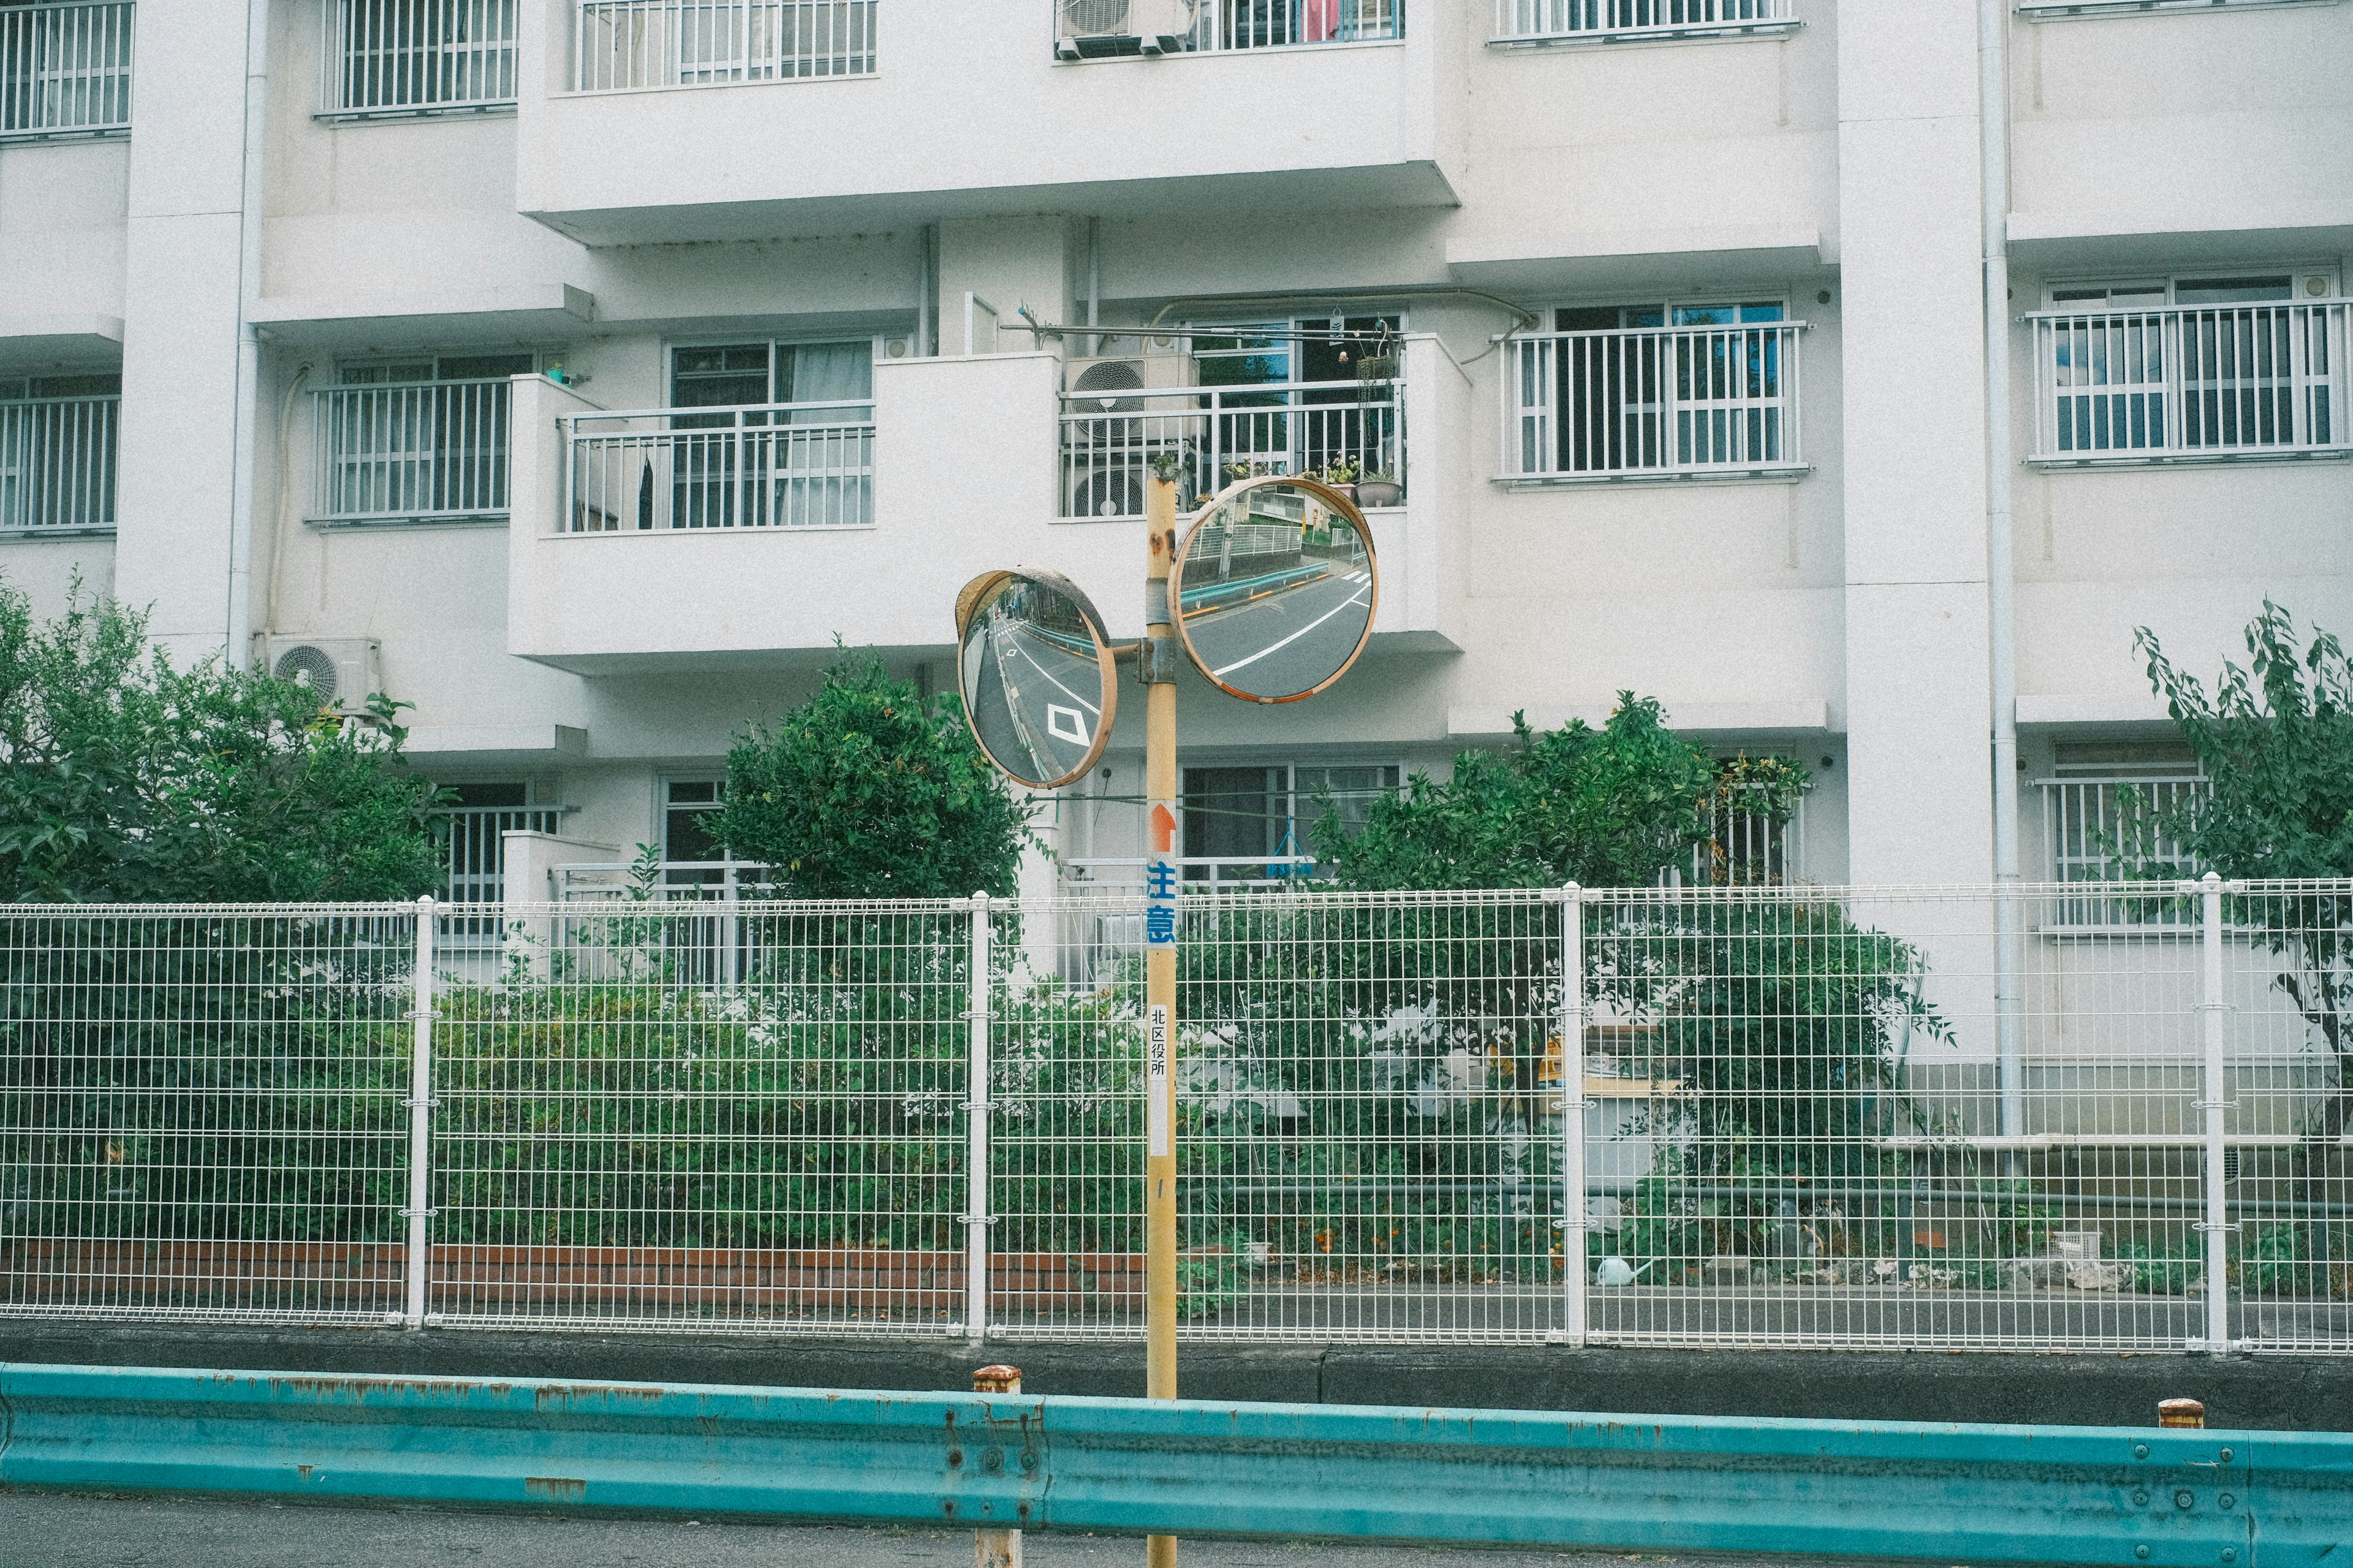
[(1277, 590), (1033, 681)]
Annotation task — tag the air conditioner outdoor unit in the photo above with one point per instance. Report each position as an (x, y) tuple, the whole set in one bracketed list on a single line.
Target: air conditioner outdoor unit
[(344, 671), (1095, 29), (1106, 486), (1114, 382)]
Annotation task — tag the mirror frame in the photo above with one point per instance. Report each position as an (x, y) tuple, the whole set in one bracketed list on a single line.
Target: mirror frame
[(967, 604), (1330, 496)]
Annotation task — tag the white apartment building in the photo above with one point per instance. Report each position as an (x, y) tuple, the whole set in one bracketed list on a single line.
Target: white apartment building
[(577, 371)]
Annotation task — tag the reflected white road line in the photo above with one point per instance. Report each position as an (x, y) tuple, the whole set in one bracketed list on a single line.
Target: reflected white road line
[(1058, 686), (1294, 637)]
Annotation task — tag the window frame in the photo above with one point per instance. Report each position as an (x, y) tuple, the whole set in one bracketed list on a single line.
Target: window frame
[(335, 54), (340, 472), (1731, 30), (1298, 820)]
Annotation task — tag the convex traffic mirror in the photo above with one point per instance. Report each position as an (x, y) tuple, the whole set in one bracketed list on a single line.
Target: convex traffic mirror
[(1275, 588), (1039, 686)]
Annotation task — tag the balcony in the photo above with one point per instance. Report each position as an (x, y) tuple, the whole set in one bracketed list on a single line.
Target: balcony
[(426, 453), (65, 70), (1219, 433), (398, 58), (1711, 402), (2191, 385), (1535, 23), (57, 465), (1108, 29), (625, 45), (751, 537), (784, 465), (984, 121)]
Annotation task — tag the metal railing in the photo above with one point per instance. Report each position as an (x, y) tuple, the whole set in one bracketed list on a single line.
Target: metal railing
[(1602, 21), (1735, 1117), (474, 875), (783, 464), (1219, 433), (425, 450), (1666, 402), (64, 70), (2191, 382), (1089, 29), (2097, 829), (625, 44), (56, 462), (385, 58)]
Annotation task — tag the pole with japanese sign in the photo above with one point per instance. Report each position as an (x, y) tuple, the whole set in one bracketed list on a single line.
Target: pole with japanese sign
[(1271, 595), (1159, 658)]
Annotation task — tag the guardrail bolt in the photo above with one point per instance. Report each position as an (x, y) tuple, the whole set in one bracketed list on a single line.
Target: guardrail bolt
[(996, 1548), (2181, 1412)]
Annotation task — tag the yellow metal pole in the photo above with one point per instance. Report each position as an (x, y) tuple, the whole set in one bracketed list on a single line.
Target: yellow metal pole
[(1158, 661)]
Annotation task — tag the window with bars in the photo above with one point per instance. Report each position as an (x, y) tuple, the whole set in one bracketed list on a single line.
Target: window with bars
[(58, 436), (1662, 389), (1256, 822), (1609, 21), (2153, 369), (474, 869), (64, 70), (418, 438), (388, 58), (2103, 811)]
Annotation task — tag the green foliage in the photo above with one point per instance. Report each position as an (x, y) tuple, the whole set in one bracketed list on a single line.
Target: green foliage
[(2163, 1266), (867, 791), (124, 780), (1608, 807), (2275, 742)]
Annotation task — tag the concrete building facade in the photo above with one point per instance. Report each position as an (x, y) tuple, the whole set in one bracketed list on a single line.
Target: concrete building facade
[(578, 371)]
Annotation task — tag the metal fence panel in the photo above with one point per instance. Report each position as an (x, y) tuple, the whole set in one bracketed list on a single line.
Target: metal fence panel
[(625, 44), (201, 1112), (64, 70), (665, 1115)]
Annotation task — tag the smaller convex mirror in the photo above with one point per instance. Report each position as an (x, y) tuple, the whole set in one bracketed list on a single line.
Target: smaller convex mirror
[(1275, 588), (1038, 683)]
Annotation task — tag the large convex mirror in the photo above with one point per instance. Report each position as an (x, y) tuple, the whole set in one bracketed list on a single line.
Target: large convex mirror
[(1275, 588), (1039, 688)]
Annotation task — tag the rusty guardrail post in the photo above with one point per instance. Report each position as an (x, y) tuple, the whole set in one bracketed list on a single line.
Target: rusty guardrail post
[(2181, 1412), (996, 1548)]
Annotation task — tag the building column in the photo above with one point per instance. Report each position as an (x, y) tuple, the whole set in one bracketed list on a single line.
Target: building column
[(1917, 679)]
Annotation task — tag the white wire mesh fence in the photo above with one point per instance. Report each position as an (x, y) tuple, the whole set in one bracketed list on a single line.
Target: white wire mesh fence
[(1737, 1117)]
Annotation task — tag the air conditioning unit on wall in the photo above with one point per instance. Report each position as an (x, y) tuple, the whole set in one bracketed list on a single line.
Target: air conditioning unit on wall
[(344, 671), (1097, 29)]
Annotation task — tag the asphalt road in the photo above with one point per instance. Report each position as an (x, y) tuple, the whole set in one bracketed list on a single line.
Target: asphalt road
[(1036, 703), (1289, 640), (41, 1531)]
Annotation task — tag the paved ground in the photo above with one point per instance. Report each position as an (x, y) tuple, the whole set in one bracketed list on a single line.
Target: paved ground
[(137, 1532)]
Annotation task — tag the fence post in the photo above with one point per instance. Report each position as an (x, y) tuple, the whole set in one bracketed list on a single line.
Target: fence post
[(2217, 1226), (1572, 1115), (976, 1108), (420, 1123)]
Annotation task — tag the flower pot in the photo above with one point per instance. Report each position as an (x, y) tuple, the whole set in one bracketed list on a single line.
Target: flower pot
[(1348, 490), (1378, 492)]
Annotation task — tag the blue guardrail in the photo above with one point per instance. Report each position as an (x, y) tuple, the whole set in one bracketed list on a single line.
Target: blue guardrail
[(1954, 1493)]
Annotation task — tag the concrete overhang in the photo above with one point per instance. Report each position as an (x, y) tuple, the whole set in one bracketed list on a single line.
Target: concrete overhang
[(30, 344), (1595, 260), (2172, 239), (515, 312), (1797, 716), (432, 746), (1343, 189), (2139, 710)]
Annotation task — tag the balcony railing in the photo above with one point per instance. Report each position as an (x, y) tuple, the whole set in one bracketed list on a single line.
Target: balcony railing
[(2192, 383), (2093, 832), (1653, 403), (780, 465), (474, 863), (438, 449), (1218, 433), (628, 44), (1093, 29), (388, 58), (1606, 21), (64, 70), (57, 463)]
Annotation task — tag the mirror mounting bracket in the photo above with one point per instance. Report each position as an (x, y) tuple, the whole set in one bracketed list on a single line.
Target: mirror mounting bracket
[(1158, 661)]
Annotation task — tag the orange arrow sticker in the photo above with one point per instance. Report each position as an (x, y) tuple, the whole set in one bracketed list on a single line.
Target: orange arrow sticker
[(1164, 829)]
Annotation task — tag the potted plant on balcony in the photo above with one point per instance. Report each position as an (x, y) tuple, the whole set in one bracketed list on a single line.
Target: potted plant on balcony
[(1379, 488), (1340, 475)]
